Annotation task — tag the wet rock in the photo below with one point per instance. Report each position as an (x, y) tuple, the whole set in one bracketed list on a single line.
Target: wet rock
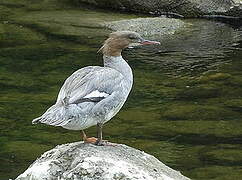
[(178, 8), (147, 26), (85, 161), (236, 9)]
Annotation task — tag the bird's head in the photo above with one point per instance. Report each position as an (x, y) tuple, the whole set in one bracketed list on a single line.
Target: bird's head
[(119, 40)]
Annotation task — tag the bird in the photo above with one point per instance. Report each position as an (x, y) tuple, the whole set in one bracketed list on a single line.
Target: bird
[(92, 95)]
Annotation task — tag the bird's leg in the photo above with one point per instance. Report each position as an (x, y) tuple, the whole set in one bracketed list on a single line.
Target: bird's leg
[(97, 141), (99, 135), (91, 140), (100, 141)]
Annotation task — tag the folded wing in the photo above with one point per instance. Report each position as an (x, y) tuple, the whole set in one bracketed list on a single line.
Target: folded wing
[(92, 83)]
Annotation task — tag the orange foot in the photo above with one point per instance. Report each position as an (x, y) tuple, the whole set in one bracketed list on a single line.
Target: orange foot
[(91, 140)]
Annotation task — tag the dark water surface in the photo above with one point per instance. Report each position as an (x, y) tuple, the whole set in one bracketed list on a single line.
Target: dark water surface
[(185, 107)]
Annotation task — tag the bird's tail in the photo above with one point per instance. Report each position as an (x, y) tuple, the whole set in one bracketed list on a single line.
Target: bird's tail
[(36, 120), (57, 115)]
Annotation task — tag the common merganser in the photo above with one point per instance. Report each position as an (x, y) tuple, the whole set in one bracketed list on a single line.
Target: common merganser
[(93, 95)]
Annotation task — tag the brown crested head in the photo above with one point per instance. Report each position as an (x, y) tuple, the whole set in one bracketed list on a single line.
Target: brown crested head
[(119, 40)]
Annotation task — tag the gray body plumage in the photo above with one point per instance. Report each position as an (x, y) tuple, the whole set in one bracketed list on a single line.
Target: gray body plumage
[(91, 95)]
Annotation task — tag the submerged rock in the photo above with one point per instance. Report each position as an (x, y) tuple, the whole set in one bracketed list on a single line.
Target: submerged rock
[(147, 26), (85, 161), (180, 8)]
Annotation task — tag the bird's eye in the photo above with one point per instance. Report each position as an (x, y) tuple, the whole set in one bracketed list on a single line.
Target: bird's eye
[(132, 37)]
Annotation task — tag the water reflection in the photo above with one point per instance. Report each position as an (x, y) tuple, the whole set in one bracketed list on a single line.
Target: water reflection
[(202, 46)]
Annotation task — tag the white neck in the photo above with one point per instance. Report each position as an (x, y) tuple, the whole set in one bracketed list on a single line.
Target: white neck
[(119, 64)]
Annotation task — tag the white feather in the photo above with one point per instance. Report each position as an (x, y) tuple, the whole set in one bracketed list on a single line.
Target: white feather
[(96, 94)]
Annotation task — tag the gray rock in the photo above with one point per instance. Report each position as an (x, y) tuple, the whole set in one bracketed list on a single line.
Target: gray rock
[(182, 8), (147, 26), (80, 161)]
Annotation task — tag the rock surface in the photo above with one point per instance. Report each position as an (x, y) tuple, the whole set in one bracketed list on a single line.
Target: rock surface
[(182, 8), (147, 26), (85, 161)]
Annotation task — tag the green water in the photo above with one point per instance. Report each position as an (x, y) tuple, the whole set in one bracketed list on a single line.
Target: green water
[(185, 107)]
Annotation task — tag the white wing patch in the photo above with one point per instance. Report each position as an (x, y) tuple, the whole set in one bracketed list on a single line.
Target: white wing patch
[(96, 93)]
